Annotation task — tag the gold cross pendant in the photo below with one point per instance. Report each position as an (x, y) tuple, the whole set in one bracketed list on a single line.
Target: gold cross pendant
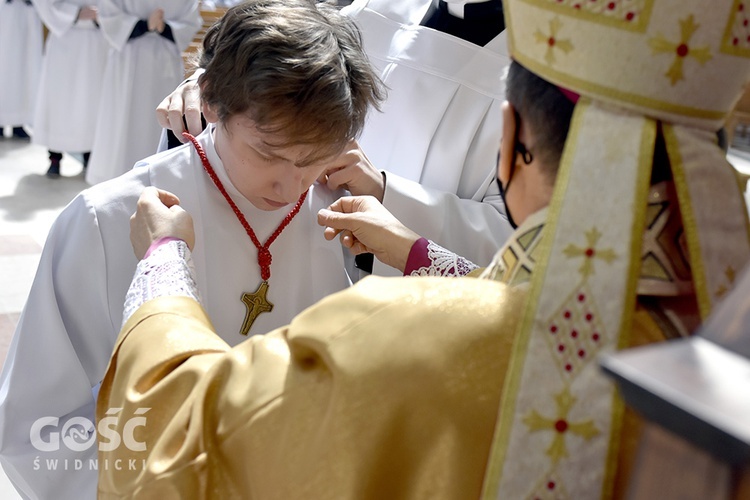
[(256, 303)]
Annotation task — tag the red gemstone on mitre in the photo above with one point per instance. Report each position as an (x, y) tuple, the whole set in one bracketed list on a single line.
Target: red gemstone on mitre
[(561, 425), (551, 41), (683, 50), (590, 252)]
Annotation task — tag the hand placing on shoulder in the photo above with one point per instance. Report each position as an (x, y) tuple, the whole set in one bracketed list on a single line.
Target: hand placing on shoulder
[(159, 215), (353, 171), (156, 21), (365, 225), (184, 101)]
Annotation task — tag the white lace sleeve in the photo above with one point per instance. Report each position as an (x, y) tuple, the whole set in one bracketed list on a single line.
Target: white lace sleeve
[(167, 271), (443, 262)]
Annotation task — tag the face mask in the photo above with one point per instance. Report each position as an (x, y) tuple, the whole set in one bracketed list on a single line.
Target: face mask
[(507, 208)]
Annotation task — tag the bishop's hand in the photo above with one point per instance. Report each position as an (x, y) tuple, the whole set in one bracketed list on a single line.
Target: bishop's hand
[(365, 225), (159, 215)]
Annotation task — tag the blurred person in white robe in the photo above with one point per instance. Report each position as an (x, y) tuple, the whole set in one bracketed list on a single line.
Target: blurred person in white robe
[(288, 116), (147, 38), (20, 63), (70, 84)]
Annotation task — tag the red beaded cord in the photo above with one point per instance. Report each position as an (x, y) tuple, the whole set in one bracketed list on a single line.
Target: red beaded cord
[(264, 252)]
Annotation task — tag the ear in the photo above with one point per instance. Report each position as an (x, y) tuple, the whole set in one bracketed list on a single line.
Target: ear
[(507, 148), (209, 114)]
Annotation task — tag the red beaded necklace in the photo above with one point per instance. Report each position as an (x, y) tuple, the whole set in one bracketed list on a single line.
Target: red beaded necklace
[(256, 302)]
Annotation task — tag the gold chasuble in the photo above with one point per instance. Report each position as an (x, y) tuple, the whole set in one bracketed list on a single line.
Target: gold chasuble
[(389, 389)]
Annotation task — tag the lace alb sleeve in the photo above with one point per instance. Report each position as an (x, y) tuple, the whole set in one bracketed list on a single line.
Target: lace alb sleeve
[(430, 259), (168, 270)]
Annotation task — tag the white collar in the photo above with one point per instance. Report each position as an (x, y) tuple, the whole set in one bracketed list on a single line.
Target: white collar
[(457, 8)]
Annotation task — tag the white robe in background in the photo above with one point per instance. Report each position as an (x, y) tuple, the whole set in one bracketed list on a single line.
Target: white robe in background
[(71, 79), (67, 331), (20, 62), (439, 133), (138, 74)]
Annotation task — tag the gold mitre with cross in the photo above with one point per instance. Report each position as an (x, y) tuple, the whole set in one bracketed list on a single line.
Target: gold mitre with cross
[(681, 61), (653, 76)]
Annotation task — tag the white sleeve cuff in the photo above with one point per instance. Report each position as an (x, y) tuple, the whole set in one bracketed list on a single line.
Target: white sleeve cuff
[(168, 271)]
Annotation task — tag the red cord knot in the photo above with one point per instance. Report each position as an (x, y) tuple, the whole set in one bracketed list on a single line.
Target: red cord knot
[(264, 260)]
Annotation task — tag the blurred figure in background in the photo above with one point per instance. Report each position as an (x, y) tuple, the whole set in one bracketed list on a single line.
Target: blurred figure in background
[(20, 62), (70, 85), (147, 38)]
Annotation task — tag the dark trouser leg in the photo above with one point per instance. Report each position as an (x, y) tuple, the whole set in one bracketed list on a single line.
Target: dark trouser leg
[(54, 164), (86, 157)]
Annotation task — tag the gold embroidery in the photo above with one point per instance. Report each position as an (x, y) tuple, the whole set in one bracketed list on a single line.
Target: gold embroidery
[(561, 425), (552, 41), (730, 274), (590, 252), (681, 50)]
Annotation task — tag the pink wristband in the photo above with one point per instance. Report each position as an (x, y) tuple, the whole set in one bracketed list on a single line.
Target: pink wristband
[(159, 242)]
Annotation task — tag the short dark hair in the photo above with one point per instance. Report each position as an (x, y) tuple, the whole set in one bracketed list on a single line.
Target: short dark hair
[(545, 109), (296, 68)]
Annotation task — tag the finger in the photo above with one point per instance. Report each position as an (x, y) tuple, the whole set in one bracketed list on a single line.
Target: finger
[(152, 198), (341, 205), (358, 248), (329, 233), (347, 239), (175, 114), (168, 199), (162, 112), (335, 220), (191, 93), (323, 179), (338, 178), (149, 193)]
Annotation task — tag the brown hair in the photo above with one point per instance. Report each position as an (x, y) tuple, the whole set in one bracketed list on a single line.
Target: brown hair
[(546, 110), (295, 68)]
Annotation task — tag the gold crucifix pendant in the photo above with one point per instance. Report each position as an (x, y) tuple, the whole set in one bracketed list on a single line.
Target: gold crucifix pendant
[(256, 303)]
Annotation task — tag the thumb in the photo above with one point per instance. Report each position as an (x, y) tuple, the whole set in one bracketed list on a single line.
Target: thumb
[(177, 209), (335, 220), (167, 198)]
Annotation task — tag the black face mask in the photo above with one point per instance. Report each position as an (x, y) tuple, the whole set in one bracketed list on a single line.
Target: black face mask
[(507, 208), (527, 157)]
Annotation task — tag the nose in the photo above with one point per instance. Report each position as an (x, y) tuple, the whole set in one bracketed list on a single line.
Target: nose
[(289, 187)]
